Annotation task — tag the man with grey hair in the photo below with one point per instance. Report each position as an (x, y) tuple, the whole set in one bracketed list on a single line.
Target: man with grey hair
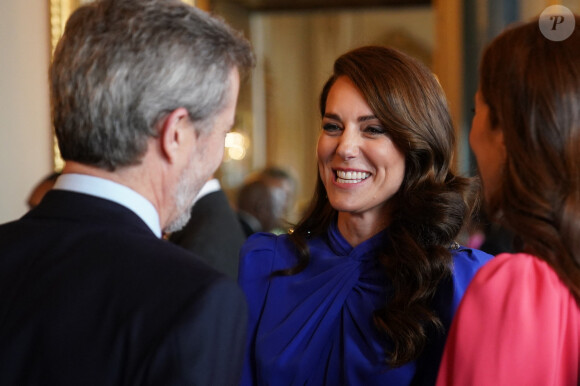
[(143, 93)]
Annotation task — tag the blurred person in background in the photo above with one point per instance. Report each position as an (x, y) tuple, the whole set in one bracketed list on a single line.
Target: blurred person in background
[(214, 232), (40, 189), (265, 201)]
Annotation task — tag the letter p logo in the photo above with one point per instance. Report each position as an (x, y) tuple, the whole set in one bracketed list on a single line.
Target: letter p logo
[(557, 23), (557, 20)]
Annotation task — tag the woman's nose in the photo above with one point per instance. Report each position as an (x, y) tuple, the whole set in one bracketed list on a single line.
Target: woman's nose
[(348, 145)]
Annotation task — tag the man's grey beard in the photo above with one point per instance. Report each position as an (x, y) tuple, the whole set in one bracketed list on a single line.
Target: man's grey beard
[(179, 222), (185, 194)]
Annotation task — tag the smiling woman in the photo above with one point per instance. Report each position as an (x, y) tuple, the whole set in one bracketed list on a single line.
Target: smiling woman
[(359, 164), (362, 292)]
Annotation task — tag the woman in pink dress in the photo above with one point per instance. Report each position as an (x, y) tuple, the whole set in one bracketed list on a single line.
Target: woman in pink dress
[(519, 321)]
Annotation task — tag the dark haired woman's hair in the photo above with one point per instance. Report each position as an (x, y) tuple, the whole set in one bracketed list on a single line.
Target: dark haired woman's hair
[(532, 87), (428, 210)]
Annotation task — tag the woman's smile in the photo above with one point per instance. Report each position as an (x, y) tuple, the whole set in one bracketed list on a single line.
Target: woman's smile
[(351, 176)]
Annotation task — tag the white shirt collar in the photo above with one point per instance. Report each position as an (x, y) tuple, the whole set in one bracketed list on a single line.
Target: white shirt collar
[(210, 186), (112, 191)]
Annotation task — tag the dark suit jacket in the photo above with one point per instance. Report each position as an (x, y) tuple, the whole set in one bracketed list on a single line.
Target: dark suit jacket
[(213, 233), (90, 296)]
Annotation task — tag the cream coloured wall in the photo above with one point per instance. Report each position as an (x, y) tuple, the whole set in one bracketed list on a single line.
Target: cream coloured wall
[(25, 130)]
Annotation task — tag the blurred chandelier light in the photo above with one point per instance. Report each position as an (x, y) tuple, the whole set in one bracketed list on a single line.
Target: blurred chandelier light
[(236, 145)]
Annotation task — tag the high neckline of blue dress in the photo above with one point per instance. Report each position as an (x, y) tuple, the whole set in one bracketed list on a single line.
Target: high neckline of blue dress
[(341, 247)]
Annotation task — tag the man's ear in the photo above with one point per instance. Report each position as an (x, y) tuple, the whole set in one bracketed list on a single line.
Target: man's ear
[(175, 134)]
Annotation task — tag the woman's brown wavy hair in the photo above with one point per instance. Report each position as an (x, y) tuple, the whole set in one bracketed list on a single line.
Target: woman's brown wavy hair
[(428, 210), (532, 87)]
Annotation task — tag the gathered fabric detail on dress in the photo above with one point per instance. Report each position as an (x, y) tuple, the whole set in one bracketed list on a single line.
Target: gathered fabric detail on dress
[(316, 327)]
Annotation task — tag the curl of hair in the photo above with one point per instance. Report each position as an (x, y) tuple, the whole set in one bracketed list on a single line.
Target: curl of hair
[(532, 87), (123, 65), (430, 207)]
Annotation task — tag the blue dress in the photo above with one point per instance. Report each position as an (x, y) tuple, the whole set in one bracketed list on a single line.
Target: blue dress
[(316, 327)]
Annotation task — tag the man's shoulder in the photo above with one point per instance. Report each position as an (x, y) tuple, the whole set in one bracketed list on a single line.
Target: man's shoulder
[(161, 257), (126, 247)]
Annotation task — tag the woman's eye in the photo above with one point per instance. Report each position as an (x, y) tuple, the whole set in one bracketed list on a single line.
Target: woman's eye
[(330, 127), (375, 130)]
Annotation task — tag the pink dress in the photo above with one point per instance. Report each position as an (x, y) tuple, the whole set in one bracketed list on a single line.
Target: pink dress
[(517, 324)]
